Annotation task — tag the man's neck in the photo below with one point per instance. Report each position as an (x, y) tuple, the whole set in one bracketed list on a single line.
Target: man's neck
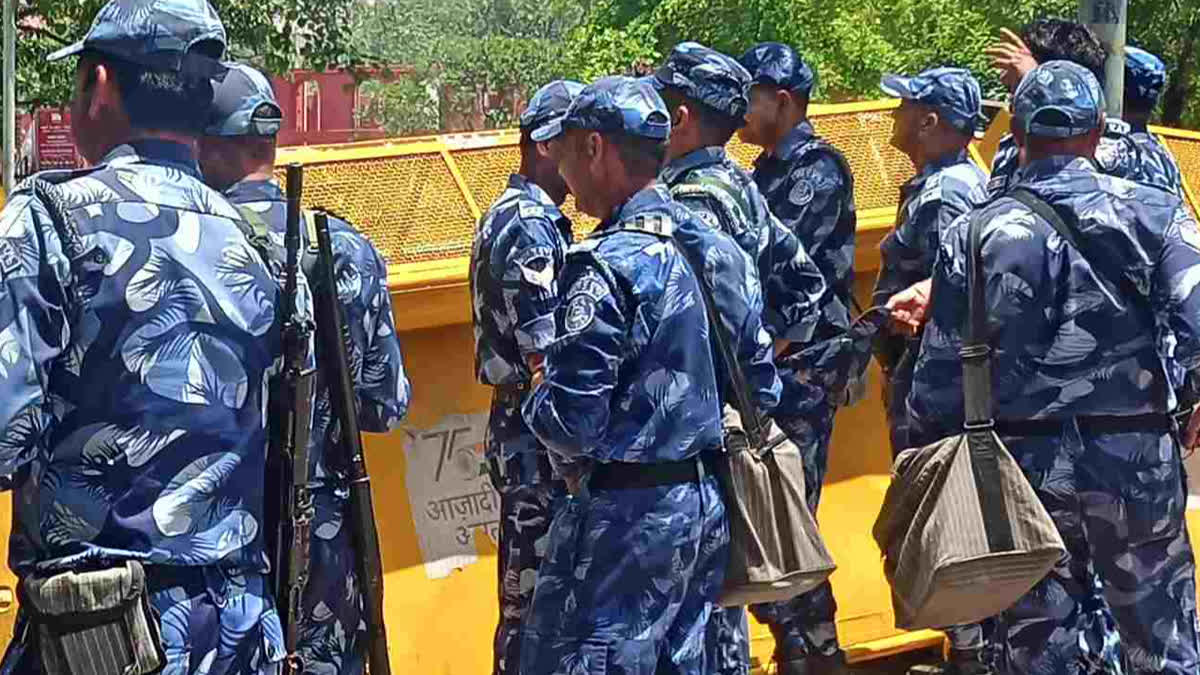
[(262, 172), (621, 195), (924, 156), (785, 130)]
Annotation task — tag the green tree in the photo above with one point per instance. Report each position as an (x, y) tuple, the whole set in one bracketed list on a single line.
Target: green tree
[(278, 35)]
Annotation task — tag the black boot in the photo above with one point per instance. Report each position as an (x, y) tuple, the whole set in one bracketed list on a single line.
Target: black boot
[(958, 662), (814, 665)]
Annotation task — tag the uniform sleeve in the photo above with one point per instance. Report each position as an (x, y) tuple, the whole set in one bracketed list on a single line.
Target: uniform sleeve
[(813, 211), (793, 286), (908, 252), (530, 265), (34, 329), (1176, 291), (569, 410), (384, 391)]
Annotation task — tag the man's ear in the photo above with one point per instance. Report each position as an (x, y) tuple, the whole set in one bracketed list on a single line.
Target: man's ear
[(100, 86)]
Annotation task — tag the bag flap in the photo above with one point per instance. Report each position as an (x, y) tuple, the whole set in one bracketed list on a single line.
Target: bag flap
[(72, 593)]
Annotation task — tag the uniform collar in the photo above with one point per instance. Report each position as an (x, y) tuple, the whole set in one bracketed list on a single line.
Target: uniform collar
[(155, 151), (693, 160), (654, 198), (1048, 167), (255, 191), (936, 166), (799, 135)]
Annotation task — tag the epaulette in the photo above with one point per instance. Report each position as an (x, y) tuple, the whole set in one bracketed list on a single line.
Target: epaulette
[(656, 224), (527, 209), (1116, 127), (55, 177)]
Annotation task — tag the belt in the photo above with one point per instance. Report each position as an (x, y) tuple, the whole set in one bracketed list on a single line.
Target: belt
[(632, 476), (1092, 425)]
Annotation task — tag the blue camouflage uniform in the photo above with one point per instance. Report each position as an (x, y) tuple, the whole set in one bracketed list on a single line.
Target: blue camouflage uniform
[(631, 391), (1145, 77), (943, 189), (332, 632), (1080, 391), (725, 197), (134, 362), (810, 188), (518, 254)]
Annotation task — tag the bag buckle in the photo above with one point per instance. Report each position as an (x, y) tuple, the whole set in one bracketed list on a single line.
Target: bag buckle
[(986, 425)]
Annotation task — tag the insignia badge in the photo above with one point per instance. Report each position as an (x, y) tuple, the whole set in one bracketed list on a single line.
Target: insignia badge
[(1045, 77), (802, 192), (1191, 235), (531, 210), (581, 311), (10, 259)]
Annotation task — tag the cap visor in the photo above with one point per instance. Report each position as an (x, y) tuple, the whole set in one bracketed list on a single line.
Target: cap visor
[(70, 50), (894, 85), (548, 131)]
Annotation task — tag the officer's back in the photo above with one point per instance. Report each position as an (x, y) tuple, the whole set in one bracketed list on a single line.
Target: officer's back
[(137, 339)]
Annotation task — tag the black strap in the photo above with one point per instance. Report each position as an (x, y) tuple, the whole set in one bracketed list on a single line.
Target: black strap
[(1124, 287), (630, 475), (977, 401), (725, 357)]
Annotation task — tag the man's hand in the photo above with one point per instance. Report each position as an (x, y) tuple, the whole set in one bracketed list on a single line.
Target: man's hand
[(537, 366), (1012, 58), (909, 307)]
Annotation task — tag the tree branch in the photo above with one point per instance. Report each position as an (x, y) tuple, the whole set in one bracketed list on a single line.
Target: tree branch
[(44, 33)]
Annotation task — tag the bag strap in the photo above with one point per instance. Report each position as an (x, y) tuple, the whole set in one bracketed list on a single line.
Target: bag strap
[(726, 358), (1048, 213), (977, 401)]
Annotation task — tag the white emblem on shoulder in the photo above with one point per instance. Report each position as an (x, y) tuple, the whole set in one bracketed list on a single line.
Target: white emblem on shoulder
[(526, 210), (581, 311), (802, 192), (10, 259)]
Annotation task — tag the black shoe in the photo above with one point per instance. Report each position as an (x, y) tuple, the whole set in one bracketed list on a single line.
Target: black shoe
[(814, 665)]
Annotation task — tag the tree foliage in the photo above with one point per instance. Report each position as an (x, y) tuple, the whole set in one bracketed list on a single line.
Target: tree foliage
[(278, 35)]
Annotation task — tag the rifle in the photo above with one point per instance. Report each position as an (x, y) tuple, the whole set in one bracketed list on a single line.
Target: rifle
[(333, 339), (290, 511)]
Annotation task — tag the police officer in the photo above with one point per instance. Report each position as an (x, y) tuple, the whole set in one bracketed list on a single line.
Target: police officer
[(516, 260), (1080, 390), (1145, 77), (933, 125), (630, 403), (809, 186), (705, 91), (137, 332), (237, 156), (1046, 40)]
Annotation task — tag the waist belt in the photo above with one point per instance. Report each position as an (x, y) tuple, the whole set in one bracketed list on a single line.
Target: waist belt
[(632, 476), (510, 394), (1158, 423)]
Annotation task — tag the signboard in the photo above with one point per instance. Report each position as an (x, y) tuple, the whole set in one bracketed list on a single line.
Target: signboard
[(453, 502), (55, 145)]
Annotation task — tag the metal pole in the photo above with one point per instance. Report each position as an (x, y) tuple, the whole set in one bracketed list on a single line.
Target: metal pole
[(10, 94), (1108, 19)]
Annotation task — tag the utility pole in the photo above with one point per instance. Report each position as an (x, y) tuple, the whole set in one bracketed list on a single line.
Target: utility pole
[(10, 94), (1108, 19)]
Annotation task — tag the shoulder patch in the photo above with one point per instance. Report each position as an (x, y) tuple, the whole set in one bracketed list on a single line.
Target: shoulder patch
[(802, 192), (582, 299), (1188, 230), (10, 258), (531, 210)]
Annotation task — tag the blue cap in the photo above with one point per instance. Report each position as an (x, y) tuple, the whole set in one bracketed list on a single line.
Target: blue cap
[(778, 65), (707, 76), (549, 104), (1145, 75), (1059, 99), (953, 91), (244, 105), (173, 35), (614, 104)]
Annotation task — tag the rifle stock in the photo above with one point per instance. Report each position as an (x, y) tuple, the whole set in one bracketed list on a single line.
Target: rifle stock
[(334, 337)]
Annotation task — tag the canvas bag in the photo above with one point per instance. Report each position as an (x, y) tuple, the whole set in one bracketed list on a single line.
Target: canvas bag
[(775, 549), (962, 531)]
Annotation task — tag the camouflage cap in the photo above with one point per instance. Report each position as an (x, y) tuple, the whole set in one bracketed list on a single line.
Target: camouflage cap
[(1059, 99), (244, 105), (174, 35), (778, 65), (953, 91), (1145, 75), (614, 104), (707, 76), (549, 104)]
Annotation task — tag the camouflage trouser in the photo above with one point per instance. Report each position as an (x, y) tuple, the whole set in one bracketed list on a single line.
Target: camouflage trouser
[(727, 641), (628, 583), (527, 503), (804, 625), (1118, 501), (213, 621), (332, 632)]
